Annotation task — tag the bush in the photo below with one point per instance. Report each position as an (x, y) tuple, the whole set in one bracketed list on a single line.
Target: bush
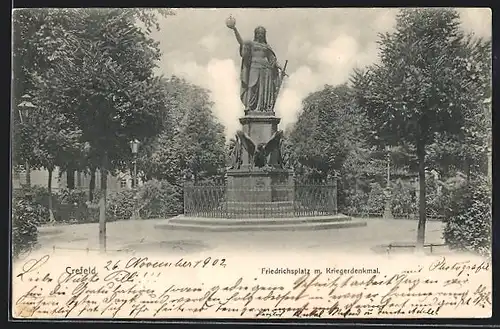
[(468, 218), (71, 207), (435, 201), (353, 202), (26, 216), (376, 200), (37, 195), (121, 205), (159, 199), (73, 197), (67, 205), (40, 195), (404, 199)]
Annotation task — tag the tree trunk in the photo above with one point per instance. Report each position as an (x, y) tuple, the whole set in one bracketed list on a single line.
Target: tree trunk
[(422, 204), (102, 204), (28, 174), (92, 184), (49, 188), (70, 178)]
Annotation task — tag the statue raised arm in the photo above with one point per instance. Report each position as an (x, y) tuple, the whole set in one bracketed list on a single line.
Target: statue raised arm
[(259, 75), (231, 23)]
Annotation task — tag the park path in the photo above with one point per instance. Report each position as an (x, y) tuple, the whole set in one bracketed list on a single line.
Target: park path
[(141, 235)]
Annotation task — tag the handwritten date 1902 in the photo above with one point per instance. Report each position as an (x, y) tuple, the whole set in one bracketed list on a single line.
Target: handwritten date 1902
[(145, 262), (207, 262)]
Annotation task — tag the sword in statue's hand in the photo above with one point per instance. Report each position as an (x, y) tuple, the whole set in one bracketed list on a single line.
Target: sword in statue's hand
[(283, 71), (280, 82)]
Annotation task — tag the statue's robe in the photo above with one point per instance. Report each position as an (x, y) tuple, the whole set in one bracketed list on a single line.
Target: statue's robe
[(259, 76)]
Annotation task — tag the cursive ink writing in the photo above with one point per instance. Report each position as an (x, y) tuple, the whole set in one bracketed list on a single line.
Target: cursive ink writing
[(460, 268), (32, 265), (142, 287)]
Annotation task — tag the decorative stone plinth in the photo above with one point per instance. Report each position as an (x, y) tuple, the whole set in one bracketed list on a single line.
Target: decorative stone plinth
[(260, 193), (259, 185), (260, 224), (260, 126)]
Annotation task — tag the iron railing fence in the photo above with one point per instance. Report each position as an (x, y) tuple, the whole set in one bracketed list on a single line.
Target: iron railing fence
[(296, 200)]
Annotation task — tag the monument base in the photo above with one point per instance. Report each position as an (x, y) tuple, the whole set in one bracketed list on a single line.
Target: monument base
[(260, 193), (202, 224), (260, 185)]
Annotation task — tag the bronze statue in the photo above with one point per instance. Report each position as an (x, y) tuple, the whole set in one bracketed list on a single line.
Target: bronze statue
[(260, 77), (258, 154)]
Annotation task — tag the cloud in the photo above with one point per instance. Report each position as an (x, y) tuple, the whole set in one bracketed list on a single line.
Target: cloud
[(209, 42), (296, 87), (477, 20), (224, 85), (220, 77), (331, 63)]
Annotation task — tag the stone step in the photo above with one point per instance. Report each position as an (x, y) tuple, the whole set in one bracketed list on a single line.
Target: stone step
[(259, 227), (246, 215), (257, 221), (261, 214)]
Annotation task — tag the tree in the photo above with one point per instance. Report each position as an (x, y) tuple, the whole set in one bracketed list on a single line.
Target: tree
[(53, 145), (157, 155), (47, 138), (201, 144), (29, 60), (43, 36), (468, 150), (193, 140), (103, 81), (421, 88), (324, 130)]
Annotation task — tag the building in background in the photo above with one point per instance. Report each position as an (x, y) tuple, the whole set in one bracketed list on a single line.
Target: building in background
[(59, 181)]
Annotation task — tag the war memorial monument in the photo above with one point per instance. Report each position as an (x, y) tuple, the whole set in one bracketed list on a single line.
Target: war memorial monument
[(259, 191)]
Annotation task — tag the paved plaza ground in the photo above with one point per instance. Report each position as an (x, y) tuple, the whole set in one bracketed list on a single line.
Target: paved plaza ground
[(143, 236)]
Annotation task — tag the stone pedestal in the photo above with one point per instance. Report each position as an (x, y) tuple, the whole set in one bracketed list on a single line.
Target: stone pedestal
[(262, 186), (260, 126), (259, 192)]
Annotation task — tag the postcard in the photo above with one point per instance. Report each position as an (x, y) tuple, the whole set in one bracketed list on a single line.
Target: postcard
[(243, 163)]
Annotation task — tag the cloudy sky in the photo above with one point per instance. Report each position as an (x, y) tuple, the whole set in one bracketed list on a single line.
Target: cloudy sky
[(322, 46)]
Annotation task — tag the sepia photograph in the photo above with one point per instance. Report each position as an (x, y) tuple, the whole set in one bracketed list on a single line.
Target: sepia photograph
[(251, 163)]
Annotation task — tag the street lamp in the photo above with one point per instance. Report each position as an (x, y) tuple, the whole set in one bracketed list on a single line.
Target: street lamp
[(134, 147), (24, 108)]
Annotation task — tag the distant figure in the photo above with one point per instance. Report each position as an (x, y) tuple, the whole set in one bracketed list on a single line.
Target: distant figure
[(259, 74)]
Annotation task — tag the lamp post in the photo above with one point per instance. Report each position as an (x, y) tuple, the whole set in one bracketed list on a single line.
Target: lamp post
[(387, 208), (134, 147), (24, 108)]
